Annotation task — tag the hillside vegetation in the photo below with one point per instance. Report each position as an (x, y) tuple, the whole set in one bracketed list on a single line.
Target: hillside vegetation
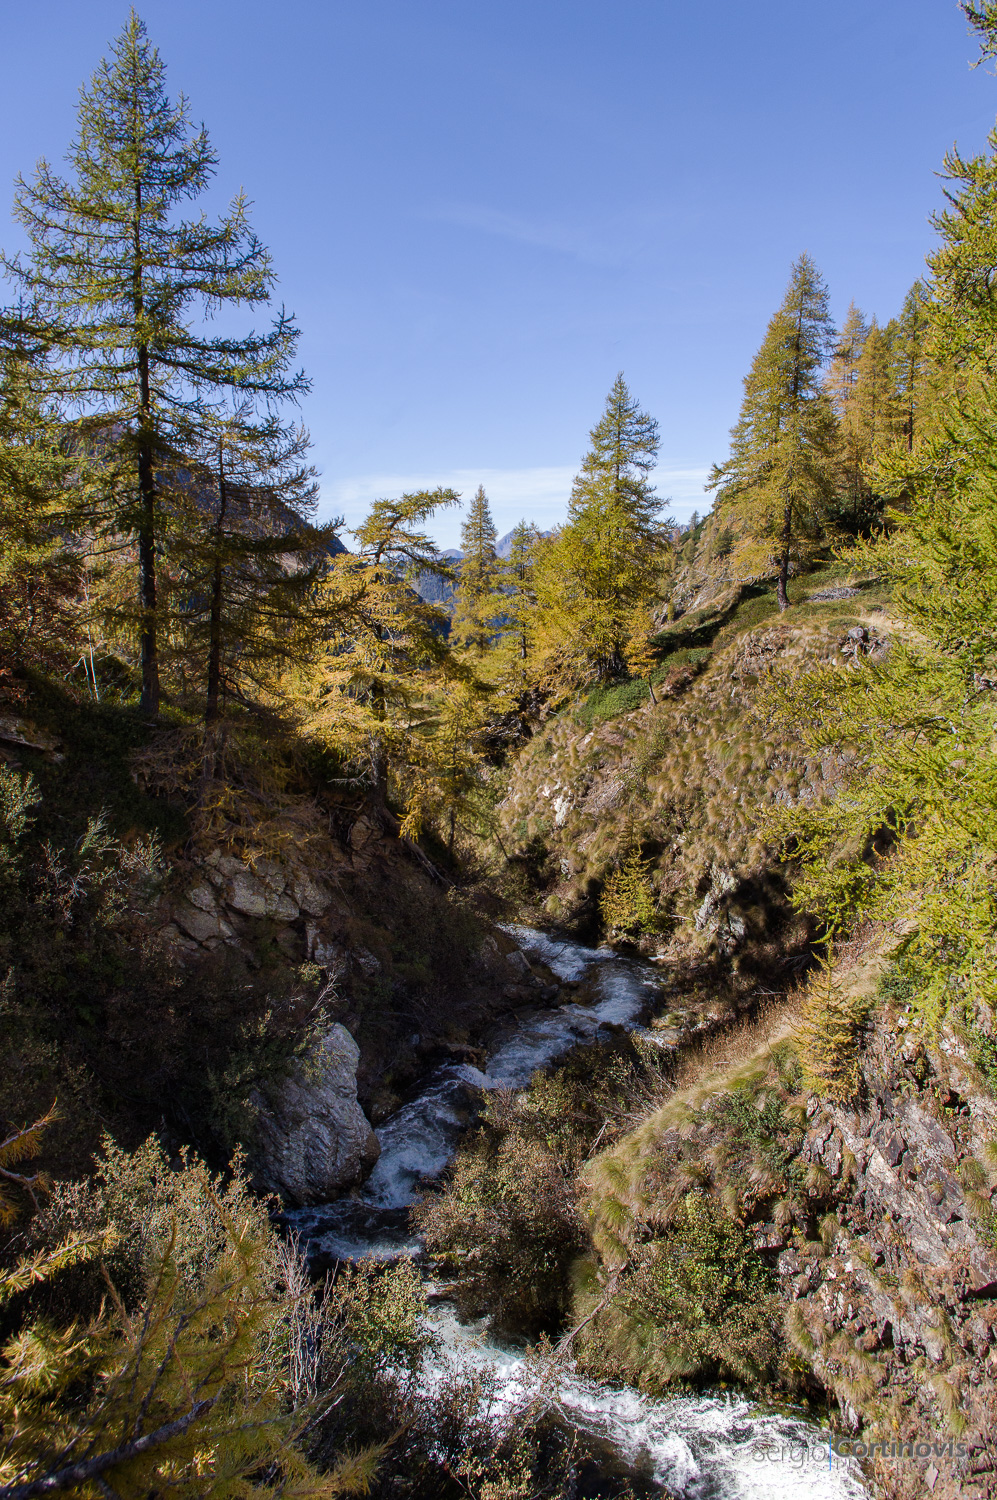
[(267, 810)]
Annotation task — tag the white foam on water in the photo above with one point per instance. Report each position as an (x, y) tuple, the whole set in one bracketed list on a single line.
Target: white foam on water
[(419, 1139), (566, 959), (699, 1447), (548, 1035)]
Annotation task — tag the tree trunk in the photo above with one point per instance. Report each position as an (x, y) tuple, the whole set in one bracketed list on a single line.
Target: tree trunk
[(377, 799), (214, 646), (215, 617), (787, 537), (147, 562), (146, 484)]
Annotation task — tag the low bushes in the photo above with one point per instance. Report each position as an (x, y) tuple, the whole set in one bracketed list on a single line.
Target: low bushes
[(697, 1305), (506, 1223)]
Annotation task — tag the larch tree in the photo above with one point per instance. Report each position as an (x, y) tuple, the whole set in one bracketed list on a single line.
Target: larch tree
[(911, 364), (444, 782), (869, 425), (777, 483), (842, 371), (473, 622), (873, 410), (250, 559), (518, 603), (840, 381), (40, 571), (921, 723), (604, 560), (385, 646), (120, 286)]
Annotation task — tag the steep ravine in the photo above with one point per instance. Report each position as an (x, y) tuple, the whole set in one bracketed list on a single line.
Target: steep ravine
[(875, 1214), (709, 1447)]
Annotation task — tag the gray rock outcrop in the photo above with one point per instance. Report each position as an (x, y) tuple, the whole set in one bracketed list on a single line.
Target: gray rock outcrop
[(312, 1139), (227, 890), (900, 1302)]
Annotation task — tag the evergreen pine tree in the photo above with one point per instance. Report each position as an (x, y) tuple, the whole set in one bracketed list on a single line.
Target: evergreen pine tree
[(775, 487), (39, 571), (473, 623), (386, 645), (911, 366), (118, 286), (250, 558), (606, 558)]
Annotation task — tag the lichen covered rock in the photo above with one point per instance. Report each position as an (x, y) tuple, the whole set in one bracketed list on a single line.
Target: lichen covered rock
[(312, 1138)]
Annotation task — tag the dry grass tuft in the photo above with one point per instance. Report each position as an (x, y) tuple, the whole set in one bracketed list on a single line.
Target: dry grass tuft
[(743, 1042)]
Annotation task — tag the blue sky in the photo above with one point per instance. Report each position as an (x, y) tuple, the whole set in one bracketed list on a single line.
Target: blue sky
[(480, 211)]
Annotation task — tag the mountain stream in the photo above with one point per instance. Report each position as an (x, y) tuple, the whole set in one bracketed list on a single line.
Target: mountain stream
[(714, 1447)]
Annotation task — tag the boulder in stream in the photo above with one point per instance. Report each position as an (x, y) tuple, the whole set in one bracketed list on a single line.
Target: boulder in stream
[(312, 1138)]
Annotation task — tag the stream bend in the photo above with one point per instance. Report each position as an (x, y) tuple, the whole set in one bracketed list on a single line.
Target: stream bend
[(695, 1447)]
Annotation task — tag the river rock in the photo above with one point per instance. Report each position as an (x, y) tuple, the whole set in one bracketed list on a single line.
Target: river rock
[(312, 1138)]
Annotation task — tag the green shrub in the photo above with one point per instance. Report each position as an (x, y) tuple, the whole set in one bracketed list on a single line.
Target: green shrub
[(697, 1304), (627, 903), (619, 698), (506, 1223)]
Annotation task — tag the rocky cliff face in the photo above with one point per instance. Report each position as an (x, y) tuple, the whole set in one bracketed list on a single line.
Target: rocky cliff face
[(899, 1318), (876, 1216), (377, 972)]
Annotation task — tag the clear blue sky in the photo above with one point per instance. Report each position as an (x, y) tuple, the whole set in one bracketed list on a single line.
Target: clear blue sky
[(480, 210)]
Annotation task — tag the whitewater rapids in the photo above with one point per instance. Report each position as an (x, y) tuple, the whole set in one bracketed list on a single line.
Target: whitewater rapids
[(694, 1447)]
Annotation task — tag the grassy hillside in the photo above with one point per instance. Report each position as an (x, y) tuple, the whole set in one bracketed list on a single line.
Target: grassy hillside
[(646, 819)]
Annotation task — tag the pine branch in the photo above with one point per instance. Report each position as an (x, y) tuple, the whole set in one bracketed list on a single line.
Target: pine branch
[(77, 1474)]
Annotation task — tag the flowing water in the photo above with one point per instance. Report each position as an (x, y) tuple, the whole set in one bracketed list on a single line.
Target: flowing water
[(699, 1448)]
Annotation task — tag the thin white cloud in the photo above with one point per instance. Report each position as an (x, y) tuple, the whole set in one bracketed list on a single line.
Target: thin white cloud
[(614, 241), (539, 495), (547, 234)]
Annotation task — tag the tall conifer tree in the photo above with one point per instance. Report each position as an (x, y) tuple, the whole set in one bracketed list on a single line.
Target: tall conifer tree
[(518, 590), (842, 370), (119, 286), (911, 365), (250, 558), (39, 569), (872, 412), (869, 425), (386, 642), (921, 723), (840, 382), (604, 560), (473, 622), (779, 478)]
